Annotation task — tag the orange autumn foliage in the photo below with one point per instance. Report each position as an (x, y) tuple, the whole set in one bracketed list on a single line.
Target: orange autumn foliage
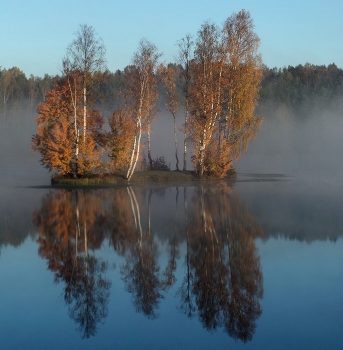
[(226, 71), (119, 140), (57, 130), (55, 135)]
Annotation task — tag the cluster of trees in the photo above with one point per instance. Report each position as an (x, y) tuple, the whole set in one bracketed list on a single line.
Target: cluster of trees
[(222, 282), (221, 79), (69, 131), (215, 84), (217, 80)]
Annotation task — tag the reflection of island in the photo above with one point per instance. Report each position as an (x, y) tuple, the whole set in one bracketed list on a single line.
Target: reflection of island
[(223, 278), (302, 214), (133, 238), (140, 272), (222, 283), (67, 228)]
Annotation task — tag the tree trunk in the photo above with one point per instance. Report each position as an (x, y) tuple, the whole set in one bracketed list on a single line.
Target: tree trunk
[(175, 141), (135, 152), (132, 157), (202, 153), (73, 95), (149, 149), (184, 141), (77, 137), (84, 115)]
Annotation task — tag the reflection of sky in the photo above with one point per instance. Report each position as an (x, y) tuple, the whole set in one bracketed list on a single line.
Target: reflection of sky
[(302, 305), (29, 301)]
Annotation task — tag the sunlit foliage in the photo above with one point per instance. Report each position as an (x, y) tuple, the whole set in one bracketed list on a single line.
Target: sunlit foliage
[(226, 72), (57, 138)]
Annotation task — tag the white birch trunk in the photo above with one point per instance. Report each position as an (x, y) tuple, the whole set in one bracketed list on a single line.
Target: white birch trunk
[(73, 95), (202, 152), (131, 158), (134, 157), (137, 149), (84, 115)]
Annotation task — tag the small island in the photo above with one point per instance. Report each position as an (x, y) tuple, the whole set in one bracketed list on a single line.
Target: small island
[(213, 86), (157, 177)]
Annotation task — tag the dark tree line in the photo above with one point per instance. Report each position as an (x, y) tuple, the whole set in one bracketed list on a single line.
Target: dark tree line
[(303, 88), (20, 93)]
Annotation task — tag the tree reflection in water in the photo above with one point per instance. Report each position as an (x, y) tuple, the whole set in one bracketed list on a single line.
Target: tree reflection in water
[(222, 282), (67, 231), (140, 272), (223, 275)]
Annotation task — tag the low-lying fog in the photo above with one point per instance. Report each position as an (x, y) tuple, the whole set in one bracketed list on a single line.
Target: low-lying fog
[(309, 149), (19, 166)]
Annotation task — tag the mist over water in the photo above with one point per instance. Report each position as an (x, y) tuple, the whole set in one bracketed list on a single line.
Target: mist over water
[(309, 149), (19, 166), (162, 139)]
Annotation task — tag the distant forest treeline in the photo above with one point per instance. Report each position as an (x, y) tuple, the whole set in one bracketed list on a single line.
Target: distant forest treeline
[(301, 91), (294, 91)]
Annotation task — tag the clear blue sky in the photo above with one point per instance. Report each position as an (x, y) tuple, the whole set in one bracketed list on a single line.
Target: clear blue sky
[(35, 33)]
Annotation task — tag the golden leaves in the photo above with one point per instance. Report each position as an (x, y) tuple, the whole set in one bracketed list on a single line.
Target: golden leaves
[(226, 73)]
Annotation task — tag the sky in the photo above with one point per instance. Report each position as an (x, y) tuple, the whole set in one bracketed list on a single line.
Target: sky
[(35, 34)]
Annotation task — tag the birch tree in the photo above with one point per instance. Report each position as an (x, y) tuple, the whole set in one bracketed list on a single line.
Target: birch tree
[(223, 92), (86, 54), (140, 95), (85, 57), (244, 76), (73, 80), (206, 91), (185, 57)]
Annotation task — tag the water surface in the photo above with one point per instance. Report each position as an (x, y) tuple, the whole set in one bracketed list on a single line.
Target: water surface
[(253, 265)]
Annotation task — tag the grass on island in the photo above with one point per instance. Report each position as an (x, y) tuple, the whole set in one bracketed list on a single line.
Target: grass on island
[(154, 176), (119, 179)]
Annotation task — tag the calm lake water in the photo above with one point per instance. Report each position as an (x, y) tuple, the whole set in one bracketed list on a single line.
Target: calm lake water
[(257, 264)]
